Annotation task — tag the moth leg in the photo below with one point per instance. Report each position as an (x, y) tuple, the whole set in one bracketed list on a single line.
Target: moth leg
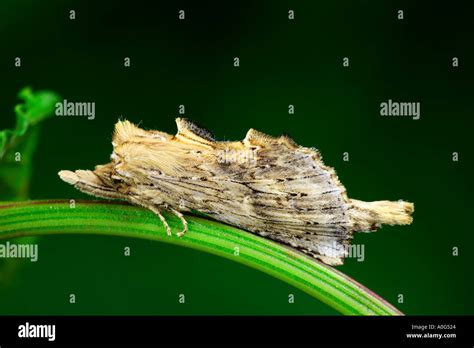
[(183, 221), (155, 210), (162, 218)]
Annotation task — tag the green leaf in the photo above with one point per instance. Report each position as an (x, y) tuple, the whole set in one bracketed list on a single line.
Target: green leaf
[(17, 145), (16, 154), (323, 282)]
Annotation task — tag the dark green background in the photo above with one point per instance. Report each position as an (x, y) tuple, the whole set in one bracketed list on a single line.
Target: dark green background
[(282, 62)]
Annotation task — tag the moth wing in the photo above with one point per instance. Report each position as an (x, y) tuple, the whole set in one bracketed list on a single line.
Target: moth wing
[(284, 193), (296, 199)]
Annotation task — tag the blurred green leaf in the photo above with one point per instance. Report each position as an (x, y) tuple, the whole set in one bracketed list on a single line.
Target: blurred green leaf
[(17, 145), (16, 155)]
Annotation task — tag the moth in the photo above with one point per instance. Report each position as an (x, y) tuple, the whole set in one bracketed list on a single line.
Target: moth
[(266, 185)]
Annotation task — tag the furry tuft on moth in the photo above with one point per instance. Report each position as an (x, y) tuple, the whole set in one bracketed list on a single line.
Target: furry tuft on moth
[(265, 185)]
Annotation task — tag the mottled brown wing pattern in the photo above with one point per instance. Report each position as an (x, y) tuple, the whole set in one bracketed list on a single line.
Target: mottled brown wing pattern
[(269, 186)]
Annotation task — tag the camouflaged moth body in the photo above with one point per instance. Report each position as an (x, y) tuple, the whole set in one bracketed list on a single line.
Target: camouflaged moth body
[(265, 185)]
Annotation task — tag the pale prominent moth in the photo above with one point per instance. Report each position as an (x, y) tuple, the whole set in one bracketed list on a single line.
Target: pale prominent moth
[(265, 185)]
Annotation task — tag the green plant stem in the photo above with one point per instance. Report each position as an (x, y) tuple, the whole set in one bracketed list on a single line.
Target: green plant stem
[(119, 219)]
